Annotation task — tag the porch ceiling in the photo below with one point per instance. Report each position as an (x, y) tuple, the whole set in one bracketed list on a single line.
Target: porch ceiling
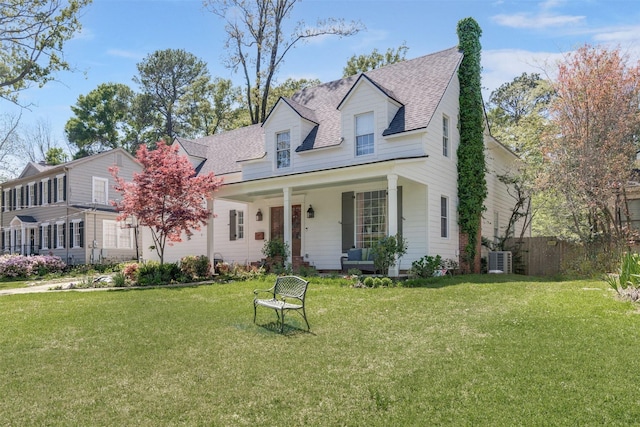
[(250, 191)]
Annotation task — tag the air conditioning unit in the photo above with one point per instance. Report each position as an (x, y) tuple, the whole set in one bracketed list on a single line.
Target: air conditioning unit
[(500, 261)]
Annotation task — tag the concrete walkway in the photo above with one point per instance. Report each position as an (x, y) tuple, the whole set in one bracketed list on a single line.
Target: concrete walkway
[(54, 286)]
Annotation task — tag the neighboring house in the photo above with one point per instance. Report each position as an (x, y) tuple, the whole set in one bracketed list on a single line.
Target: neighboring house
[(65, 210), (345, 163)]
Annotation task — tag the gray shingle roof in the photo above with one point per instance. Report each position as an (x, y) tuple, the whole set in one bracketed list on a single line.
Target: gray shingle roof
[(225, 150), (417, 84)]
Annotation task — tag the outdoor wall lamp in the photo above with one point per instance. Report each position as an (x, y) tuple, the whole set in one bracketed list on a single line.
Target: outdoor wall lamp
[(259, 215), (310, 212)]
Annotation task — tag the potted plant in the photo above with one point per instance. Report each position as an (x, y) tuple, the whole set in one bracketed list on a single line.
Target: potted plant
[(276, 251)]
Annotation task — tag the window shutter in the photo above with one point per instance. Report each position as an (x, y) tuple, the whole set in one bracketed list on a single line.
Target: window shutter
[(347, 221), (40, 198), (54, 244), (3, 197), (49, 191), (55, 189), (232, 224), (26, 195), (81, 228), (69, 241), (64, 187), (64, 235), (51, 244), (21, 197), (400, 211), (13, 203), (40, 237)]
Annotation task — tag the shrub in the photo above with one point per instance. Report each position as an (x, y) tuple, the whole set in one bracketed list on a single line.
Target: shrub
[(377, 282), (131, 271), (387, 250), (27, 266), (425, 266), (195, 267), (153, 273), (628, 275), (119, 280), (387, 282), (237, 271), (368, 282)]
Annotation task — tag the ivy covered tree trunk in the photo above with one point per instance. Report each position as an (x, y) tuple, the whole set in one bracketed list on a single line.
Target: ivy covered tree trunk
[(472, 185)]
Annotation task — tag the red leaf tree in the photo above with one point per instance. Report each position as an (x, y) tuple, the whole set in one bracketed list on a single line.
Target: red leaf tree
[(167, 196), (592, 143)]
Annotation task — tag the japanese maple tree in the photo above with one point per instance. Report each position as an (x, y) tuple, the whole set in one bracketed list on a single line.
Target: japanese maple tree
[(167, 196)]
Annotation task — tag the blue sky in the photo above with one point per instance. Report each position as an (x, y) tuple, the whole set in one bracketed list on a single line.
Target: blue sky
[(518, 36)]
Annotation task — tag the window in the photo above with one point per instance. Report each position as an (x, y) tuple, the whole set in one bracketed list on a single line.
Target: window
[(371, 217), (60, 228), (44, 235), (444, 217), (18, 241), (283, 150), (364, 134), (445, 136), (60, 188), (19, 191), (31, 191), (116, 235), (100, 190), (7, 240), (6, 200), (76, 234), (45, 193), (240, 225)]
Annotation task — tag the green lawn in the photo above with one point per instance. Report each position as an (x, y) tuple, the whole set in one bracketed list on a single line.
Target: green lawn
[(462, 352)]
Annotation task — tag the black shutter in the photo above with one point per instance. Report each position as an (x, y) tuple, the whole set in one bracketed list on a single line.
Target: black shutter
[(348, 220), (72, 227), (15, 195), (3, 197), (49, 229), (400, 211), (64, 235), (81, 228), (40, 238), (232, 224), (40, 198), (27, 193), (53, 244), (55, 190), (64, 187), (21, 197), (49, 191)]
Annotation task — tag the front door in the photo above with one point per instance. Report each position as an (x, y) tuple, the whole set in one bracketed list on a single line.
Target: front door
[(277, 226)]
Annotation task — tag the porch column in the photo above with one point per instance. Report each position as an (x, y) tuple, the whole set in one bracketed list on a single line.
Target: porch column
[(210, 247), (287, 221), (23, 237), (392, 208)]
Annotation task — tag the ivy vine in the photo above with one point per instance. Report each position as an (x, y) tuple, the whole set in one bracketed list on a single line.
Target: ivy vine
[(472, 185)]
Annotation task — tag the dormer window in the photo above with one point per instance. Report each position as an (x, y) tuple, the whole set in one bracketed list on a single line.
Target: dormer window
[(283, 150), (364, 134)]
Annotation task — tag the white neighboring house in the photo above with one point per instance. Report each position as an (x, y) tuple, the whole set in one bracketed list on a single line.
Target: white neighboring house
[(65, 210), (340, 165)]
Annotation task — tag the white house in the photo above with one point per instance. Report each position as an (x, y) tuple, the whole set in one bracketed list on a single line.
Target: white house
[(344, 163)]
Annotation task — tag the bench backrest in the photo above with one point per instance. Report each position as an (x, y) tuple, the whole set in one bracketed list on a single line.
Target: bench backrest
[(291, 286)]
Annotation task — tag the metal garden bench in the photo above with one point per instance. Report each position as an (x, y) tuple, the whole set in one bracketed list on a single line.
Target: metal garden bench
[(287, 294)]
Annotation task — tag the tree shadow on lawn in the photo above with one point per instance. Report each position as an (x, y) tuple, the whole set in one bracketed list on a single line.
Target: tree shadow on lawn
[(479, 279)]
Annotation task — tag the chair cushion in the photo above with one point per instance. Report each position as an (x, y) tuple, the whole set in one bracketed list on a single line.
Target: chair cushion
[(354, 255), (365, 254)]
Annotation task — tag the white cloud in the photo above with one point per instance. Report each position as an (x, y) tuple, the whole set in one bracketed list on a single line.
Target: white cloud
[(544, 18), (537, 21), (503, 65)]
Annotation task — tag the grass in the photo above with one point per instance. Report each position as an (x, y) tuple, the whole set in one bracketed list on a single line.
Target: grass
[(464, 351)]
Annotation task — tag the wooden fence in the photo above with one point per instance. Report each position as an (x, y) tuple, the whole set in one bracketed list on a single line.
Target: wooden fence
[(539, 256)]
